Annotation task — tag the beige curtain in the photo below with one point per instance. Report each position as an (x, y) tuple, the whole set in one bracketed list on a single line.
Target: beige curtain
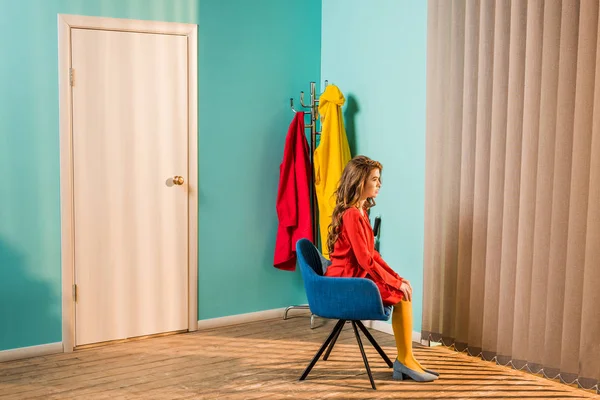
[(512, 219)]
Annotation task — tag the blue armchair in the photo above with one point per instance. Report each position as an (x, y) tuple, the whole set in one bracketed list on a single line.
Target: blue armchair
[(344, 299)]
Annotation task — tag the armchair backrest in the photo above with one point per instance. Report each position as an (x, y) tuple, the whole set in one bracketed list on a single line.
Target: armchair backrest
[(312, 257)]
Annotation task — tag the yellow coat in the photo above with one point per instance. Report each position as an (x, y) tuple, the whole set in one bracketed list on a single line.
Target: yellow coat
[(331, 156)]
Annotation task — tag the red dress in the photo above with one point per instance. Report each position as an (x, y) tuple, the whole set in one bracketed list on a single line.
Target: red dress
[(354, 255)]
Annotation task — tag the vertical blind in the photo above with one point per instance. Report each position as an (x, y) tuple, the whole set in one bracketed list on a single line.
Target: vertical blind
[(512, 213)]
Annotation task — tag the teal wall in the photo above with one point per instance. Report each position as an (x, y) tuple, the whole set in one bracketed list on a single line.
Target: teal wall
[(375, 52), (253, 55)]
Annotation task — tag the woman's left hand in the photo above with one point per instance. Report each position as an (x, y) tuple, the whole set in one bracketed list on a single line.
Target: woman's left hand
[(406, 290)]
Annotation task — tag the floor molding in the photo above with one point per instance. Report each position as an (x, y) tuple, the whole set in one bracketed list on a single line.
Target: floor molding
[(31, 351), (240, 318), (53, 348)]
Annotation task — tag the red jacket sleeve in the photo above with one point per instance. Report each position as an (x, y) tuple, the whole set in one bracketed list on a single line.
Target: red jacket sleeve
[(286, 194), (357, 235)]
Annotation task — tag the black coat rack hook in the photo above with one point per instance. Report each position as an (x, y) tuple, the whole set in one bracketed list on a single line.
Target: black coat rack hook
[(292, 104)]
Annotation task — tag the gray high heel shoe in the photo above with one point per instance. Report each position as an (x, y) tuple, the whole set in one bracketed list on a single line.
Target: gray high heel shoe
[(429, 371), (402, 372)]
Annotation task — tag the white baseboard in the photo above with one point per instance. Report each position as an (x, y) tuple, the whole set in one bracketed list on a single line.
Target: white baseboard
[(32, 351), (384, 327), (241, 318), (53, 348)]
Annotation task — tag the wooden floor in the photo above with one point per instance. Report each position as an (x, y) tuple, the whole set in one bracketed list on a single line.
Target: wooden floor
[(261, 360)]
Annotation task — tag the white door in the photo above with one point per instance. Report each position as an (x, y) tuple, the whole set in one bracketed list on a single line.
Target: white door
[(130, 121)]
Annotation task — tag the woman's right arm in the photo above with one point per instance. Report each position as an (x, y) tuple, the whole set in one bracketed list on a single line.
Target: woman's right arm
[(384, 265)]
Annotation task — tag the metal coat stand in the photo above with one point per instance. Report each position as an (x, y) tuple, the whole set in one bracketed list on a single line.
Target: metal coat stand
[(313, 110)]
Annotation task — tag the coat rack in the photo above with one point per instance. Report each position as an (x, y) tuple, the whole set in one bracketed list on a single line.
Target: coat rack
[(313, 111)]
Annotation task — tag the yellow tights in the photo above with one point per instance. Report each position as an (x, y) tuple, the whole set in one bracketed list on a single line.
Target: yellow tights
[(402, 324)]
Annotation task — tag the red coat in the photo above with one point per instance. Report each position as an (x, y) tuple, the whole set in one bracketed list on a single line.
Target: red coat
[(354, 255), (293, 196)]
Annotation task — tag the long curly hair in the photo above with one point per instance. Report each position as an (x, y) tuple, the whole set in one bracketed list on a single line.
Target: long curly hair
[(348, 193)]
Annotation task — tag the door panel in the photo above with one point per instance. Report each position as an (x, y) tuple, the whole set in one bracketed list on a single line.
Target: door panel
[(129, 138)]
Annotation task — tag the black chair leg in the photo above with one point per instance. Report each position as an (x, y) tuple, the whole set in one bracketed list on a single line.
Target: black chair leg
[(364, 356), (335, 338), (375, 344), (338, 326)]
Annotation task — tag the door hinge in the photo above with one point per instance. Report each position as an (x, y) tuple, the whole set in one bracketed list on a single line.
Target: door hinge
[(71, 76), (75, 292)]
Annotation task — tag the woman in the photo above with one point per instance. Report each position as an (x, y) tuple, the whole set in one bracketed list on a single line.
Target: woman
[(352, 253)]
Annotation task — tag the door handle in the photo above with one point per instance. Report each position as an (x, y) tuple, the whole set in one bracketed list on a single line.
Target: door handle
[(178, 180)]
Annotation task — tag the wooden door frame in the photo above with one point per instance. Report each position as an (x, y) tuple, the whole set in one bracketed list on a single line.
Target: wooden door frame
[(65, 24)]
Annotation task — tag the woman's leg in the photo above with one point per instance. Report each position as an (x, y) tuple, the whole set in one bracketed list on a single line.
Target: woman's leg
[(402, 324)]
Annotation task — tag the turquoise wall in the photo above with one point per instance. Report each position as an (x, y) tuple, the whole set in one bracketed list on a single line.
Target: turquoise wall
[(375, 52), (253, 55)]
